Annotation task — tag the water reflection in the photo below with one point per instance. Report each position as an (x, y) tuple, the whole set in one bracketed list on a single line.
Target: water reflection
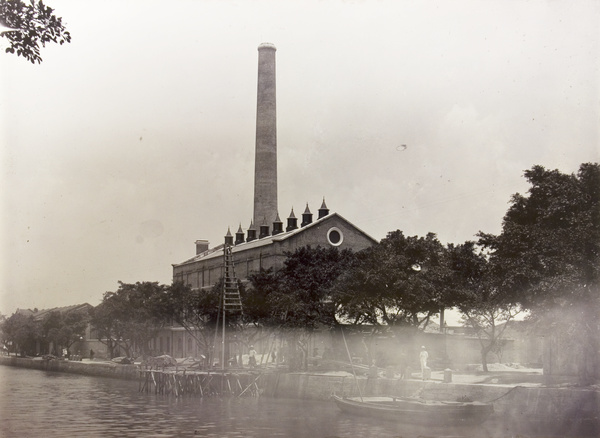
[(36, 403)]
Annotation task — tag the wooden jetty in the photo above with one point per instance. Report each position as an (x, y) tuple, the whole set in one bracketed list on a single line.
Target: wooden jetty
[(200, 383)]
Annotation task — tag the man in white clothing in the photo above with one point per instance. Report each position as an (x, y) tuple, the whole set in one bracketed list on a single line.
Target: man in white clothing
[(423, 358)]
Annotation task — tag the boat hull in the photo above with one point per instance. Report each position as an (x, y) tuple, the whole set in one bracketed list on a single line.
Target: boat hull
[(416, 411)]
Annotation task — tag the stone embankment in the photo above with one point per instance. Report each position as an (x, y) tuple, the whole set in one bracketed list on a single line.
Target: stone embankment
[(88, 368), (573, 410)]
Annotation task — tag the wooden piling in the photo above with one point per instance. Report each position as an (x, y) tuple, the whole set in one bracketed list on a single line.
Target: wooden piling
[(187, 382)]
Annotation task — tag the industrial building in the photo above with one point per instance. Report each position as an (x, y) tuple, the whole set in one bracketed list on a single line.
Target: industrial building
[(266, 242)]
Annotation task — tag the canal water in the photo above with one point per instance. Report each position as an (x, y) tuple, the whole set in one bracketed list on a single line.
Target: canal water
[(46, 404)]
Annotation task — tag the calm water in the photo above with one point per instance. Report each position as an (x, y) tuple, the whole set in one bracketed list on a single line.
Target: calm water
[(43, 404)]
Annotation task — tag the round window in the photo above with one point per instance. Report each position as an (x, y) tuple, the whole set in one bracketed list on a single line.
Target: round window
[(335, 236)]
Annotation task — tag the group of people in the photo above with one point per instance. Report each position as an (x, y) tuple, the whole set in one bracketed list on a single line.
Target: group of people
[(404, 364)]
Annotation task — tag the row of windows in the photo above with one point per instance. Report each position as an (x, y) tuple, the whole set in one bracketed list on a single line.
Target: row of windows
[(208, 276)]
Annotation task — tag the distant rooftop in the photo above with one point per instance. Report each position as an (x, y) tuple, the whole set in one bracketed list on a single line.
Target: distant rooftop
[(38, 314)]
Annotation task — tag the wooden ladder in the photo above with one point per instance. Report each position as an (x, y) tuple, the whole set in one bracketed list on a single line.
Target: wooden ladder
[(232, 301)]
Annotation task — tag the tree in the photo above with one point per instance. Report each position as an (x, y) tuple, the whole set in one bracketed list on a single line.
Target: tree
[(21, 333), (400, 282), (64, 329), (483, 304), (103, 321), (303, 298), (3, 339), (31, 25), (297, 298), (195, 310), (49, 330), (548, 256), (128, 318), (264, 284)]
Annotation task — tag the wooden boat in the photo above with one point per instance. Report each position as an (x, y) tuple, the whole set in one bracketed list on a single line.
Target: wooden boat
[(418, 411)]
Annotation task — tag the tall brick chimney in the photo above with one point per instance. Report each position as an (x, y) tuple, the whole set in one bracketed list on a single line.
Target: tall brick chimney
[(265, 162)]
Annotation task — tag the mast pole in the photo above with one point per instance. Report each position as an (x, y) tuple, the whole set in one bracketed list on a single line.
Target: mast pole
[(223, 343), (352, 365)]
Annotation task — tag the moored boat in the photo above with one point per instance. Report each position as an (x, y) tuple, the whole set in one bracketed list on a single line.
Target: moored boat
[(413, 410)]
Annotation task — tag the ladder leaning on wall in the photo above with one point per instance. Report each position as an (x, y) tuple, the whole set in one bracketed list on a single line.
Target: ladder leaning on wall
[(231, 301)]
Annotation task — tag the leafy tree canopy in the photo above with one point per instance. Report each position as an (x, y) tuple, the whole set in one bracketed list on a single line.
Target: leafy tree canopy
[(21, 332), (298, 295), (30, 26), (129, 317), (483, 304), (547, 258), (548, 253), (402, 281), (64, 329), (196, 310)]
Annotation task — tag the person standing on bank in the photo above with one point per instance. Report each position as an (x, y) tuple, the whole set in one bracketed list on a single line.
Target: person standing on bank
[(423, 356), (252, 357)]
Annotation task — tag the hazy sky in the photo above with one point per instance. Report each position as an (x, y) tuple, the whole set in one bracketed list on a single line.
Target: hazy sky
[(125, 146)]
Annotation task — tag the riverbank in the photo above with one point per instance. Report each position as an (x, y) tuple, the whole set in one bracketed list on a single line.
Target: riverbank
[(574, 411), (85, 367)]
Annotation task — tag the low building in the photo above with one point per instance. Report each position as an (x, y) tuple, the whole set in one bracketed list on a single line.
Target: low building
[(43, 346)]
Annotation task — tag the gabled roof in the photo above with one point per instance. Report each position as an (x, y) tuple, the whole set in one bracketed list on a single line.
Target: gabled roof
[(40, 314), (25, 312), (268, 240)]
